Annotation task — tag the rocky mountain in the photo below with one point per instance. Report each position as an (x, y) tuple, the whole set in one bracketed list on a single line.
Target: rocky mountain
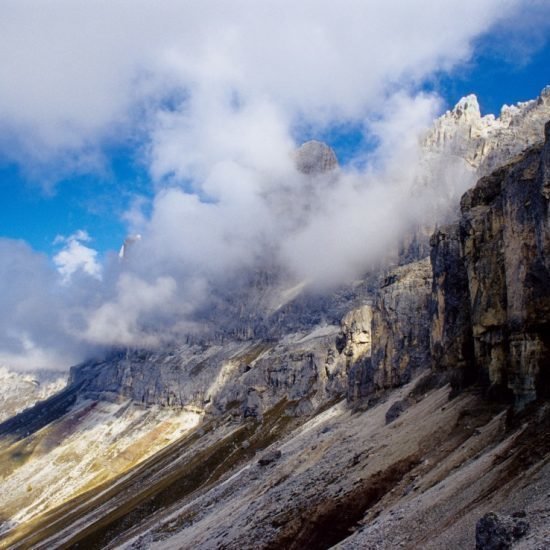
[(486, 142), (408, 409)]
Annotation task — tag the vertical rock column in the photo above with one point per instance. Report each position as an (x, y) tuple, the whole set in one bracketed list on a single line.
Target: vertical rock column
[(482, 226), (451, 341)]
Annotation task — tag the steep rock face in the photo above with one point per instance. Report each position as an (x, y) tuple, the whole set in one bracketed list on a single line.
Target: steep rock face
[(505, 227), (355, 338), (244, 377), (463, 146), (451, 340), (355, 343), (400, 325), (496, 280)]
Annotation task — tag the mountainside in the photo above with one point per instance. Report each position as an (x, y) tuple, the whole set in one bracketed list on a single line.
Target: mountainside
[(19, 391), (395, 411)]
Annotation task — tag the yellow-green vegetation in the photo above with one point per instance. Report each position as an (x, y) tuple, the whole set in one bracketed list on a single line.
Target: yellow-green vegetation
[(194, 462)]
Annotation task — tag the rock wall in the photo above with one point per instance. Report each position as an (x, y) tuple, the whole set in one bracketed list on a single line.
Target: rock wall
[(451, 340), (492, 277), (400, 325), (400, 332), (245, 378)]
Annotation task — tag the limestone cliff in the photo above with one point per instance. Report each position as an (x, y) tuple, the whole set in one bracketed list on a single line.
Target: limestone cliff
[(463, 146), (400, 325), (451, 341), (245, 378), (501, 280)]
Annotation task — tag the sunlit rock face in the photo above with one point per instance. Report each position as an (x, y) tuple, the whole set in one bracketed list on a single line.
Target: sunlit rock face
[(400, 326), (315, 157), (461, 147), (485, 142)]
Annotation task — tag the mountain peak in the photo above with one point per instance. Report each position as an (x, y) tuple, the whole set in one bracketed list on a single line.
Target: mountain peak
[(315, 157), (467, 108)]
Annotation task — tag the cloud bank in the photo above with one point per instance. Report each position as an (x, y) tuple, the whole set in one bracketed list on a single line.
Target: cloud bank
[(217, 95)]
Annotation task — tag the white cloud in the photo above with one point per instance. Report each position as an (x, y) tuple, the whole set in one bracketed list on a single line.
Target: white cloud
[(73, 72), (76, 257), (215, 90), (121, 322)]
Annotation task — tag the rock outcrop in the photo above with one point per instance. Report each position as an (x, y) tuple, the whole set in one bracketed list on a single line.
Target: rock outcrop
[(244, 377), (451, 340), (400, 325), (497, 532), (463, 146)]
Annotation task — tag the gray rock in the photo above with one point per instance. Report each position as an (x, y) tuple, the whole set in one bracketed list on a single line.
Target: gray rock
[(451, 339), (499, 532), (506, 249), (270, 457), (401, 325), (396, 410)]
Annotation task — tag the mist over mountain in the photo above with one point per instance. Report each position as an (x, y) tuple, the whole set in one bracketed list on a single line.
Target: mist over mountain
[(268, 281), (218, 102)]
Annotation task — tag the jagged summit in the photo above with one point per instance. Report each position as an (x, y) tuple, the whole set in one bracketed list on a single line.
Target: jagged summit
[(467, 108), (485, 142), (315, 157)]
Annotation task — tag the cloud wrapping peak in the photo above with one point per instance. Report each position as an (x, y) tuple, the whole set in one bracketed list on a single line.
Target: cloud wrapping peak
[(217, 92)]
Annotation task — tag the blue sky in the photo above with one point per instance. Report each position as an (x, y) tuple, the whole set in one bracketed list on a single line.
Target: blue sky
[(96, 201)]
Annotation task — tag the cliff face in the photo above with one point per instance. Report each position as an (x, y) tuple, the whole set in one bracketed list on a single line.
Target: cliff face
[(398, 335), (463, 146), (451, 342), (499, 296), (400, 328), (245, 378)]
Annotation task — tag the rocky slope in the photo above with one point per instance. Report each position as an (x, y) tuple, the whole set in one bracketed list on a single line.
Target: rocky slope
[(19, 391), (387, 414)]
